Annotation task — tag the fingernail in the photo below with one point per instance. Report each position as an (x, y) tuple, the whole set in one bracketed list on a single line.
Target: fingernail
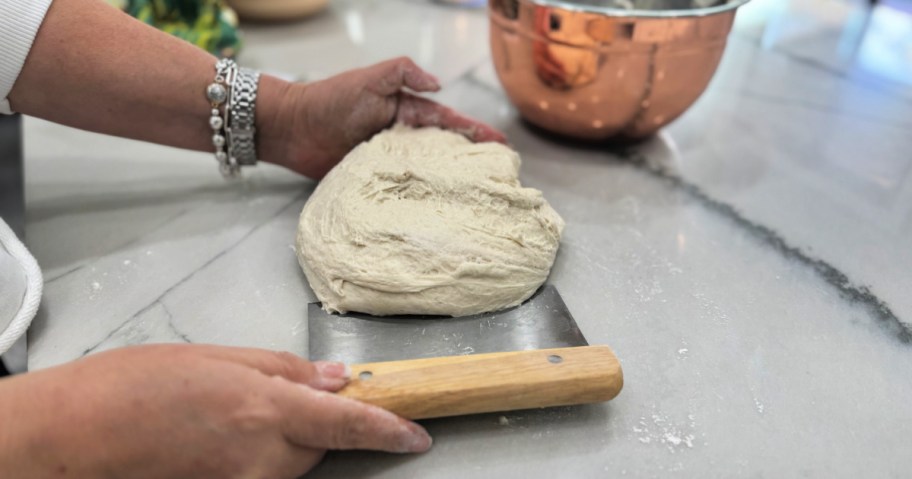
[(434, 81), (333, 370), (418, 440)]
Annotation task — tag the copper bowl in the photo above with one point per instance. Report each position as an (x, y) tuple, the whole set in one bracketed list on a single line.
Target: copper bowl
[(597, 70)]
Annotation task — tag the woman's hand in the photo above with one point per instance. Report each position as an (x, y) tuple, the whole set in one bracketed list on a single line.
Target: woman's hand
[(188, 411), (316, 124), (110, 88)]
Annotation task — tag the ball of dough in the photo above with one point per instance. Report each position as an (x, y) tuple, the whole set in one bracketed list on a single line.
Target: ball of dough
[(423, 221)]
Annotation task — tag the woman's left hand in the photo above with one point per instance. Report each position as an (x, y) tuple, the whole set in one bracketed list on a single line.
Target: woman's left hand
[(314, 125)]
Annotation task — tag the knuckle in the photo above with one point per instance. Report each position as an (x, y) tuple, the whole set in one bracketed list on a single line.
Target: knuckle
[(291, 366), (350, 432), (286, 356), (256, 414), (402, 65)]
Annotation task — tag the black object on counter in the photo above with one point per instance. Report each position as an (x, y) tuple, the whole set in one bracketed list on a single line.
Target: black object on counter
[(12, 191)]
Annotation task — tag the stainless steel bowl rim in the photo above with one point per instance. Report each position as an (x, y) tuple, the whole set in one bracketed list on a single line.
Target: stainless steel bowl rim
[(621, 12)]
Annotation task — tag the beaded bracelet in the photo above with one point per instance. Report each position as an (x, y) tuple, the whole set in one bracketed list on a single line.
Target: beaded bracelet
[(234, 128), (218, 93)]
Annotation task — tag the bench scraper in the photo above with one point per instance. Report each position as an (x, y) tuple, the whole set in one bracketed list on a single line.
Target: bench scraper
[(419, 367)]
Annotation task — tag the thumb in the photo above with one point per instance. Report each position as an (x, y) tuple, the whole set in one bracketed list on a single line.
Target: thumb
[(323, 420), (416, 111)]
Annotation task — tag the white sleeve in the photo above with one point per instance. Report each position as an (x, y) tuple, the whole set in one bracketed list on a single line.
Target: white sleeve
[(19, 23), (20, 288)]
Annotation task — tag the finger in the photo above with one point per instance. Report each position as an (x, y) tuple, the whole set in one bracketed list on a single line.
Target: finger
[(319, 375), (323, 420), (391, 76), (332, 376), (292, 460), (417, 111)]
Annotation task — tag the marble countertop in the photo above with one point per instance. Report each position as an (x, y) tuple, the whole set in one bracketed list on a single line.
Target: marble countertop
[(751, 265)]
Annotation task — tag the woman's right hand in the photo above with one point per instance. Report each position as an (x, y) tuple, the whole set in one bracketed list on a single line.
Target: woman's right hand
[(168, 411)]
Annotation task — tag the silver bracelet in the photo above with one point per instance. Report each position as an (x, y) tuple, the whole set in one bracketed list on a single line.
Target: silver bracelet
[(218, 93), (242, 126)]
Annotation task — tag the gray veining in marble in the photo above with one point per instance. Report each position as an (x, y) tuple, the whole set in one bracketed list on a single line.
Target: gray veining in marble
[(750, 265)]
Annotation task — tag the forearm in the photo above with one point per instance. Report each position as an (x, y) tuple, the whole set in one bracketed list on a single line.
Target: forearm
[(22, 418), (45, 432), (93, 67)]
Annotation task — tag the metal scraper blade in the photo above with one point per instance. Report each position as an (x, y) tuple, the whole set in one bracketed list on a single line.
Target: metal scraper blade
[(542, 322)]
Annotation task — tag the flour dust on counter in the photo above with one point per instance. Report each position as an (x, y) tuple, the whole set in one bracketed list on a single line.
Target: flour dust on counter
[(858, 295), (423, 221)]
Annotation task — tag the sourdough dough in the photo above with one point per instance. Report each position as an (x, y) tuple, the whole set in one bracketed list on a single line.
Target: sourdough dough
[(423, 221)]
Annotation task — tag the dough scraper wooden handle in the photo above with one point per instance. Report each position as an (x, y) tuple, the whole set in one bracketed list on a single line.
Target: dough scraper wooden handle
[(458, 385)]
